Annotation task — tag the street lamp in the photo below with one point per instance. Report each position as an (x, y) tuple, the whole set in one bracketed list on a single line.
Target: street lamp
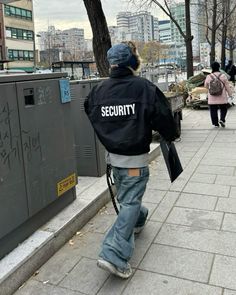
[(34, 49)]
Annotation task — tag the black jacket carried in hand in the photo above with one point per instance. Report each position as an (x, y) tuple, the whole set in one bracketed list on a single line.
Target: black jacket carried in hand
[(124, 110)]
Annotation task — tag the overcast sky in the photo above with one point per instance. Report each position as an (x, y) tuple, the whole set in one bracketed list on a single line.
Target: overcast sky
[(65, 14)]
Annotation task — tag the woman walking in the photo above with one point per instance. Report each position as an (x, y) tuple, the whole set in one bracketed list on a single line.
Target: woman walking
[(218, 88)]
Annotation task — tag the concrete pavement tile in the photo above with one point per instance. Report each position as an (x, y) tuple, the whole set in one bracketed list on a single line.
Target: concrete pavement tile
[(163, 175), (194, 139), (143, 241), (229, 222), (151, 283), (195, 218), (189, 148), (194, 135), (226, 205), (226, 139), (232, 192), (212, 241), (87, 243), (227, 180), (177, 262), (229, 292), (178, 184), (204, 178), (189, 154), (226, 153), (113, 286), (165, 207), (222, 145), (196, 201), (102, 222), (224, 272), (37, 288), (151, 208), (159, 184), (207, 189), (64, 260), (215, 170), (86, 277), (153, 196), (219, 161)]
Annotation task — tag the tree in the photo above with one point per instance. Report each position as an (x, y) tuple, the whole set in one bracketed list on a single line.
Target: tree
[(218, 13), (154, 51), (101, 36), (165, 6), (231, 35)]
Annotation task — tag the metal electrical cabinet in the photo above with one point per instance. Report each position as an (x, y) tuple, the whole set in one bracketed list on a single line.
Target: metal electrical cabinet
[(90, 153), (37, 159)]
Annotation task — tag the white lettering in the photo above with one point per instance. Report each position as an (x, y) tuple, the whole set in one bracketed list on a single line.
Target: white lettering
[(103, 111), (107, 111), (116, 113), (118, 110), (111, 111), (133, 108), (121, 108)]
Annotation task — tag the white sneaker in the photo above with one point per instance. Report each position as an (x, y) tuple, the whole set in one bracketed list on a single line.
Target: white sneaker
[(222, 123), (122, 273), (138, 229)]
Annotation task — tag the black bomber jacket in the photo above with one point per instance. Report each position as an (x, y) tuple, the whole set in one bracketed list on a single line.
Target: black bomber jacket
[(124, 110)]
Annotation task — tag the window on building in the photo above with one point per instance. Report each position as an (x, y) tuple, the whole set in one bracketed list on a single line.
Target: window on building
[(19, 34), (17, 12), (20, 54)]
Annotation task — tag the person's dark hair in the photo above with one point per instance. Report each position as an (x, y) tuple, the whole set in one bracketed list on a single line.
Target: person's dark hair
[(215, 66)]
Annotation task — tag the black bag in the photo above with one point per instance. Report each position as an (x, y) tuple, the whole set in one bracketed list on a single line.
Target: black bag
[(171, 158)]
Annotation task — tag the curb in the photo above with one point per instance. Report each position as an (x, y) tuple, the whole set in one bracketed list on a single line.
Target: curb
[(28, 257)]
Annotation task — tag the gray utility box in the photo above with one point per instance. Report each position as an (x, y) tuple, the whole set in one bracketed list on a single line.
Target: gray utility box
[(37, 160), (90, 153)]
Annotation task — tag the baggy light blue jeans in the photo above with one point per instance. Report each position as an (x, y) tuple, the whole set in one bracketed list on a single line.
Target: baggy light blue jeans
[(118, 245)]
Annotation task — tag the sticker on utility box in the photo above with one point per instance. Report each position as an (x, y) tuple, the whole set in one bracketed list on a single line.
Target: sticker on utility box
[(65, 90), (66, 184)]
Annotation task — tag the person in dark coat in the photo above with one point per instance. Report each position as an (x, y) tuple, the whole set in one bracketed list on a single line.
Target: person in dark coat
[(123, 110), (231, 71)]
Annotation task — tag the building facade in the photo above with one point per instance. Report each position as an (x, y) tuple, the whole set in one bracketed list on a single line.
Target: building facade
[(197, 27), (17, 35), (70, 44), (164, 31), (140, 26)]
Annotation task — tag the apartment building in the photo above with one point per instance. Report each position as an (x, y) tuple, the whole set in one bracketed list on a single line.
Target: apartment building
[(197, 27), (140, 26), (58, 45), (164, 31), (17, 45)]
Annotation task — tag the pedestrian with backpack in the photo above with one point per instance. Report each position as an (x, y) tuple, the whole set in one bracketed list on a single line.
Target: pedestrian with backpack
[(218, 92)]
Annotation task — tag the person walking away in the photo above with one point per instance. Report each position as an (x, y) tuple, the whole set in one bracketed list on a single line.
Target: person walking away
[(124, 109), (230, 69), (218, 88)]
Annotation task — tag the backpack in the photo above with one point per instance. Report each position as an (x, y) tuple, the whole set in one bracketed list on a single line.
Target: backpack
[(215, 85)]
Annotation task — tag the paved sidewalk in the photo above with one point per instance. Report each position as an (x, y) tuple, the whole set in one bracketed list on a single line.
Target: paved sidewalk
[(188, 246)]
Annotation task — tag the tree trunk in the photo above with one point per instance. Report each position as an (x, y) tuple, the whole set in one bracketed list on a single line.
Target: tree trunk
[(224, 34), (188, 40), (101, 36), (213, 34)]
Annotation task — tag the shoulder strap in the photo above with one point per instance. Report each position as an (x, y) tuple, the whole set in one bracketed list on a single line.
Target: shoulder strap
[(218, 77)]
